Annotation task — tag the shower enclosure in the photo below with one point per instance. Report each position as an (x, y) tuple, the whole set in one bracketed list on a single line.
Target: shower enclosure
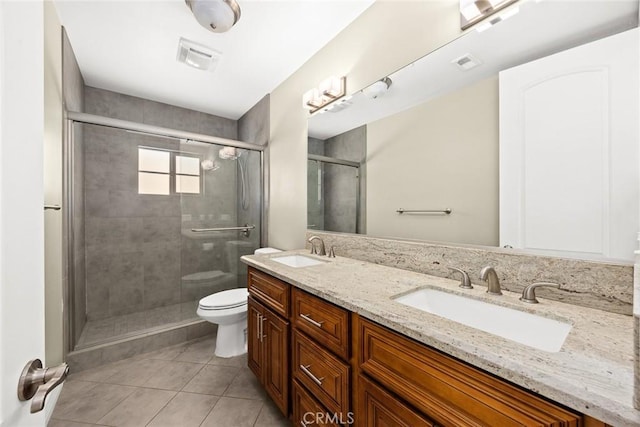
[(333, 194), (159, 218)]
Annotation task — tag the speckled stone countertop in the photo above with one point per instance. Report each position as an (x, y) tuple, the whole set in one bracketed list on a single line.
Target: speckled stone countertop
[(592, 373)]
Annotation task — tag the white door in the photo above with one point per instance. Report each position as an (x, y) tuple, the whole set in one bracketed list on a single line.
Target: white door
[(21, 203), (569, 151)]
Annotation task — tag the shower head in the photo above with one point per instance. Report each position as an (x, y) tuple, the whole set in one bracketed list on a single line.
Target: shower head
[(209, 165), (229, 153)]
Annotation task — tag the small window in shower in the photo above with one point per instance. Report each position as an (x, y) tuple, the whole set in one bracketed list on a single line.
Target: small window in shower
[(187, 174), (154, 171), (161, 171)]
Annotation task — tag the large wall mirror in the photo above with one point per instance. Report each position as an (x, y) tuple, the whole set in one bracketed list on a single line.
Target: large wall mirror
[(522, 134)]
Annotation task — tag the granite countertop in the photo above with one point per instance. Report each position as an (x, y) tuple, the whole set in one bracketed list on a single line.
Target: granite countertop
[(592, 373)]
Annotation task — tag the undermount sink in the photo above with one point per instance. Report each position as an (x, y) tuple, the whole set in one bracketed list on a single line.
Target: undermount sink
[(297, 261), (524, 328)]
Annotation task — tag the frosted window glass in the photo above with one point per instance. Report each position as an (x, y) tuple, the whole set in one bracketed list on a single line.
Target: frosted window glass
[(187, 184), (188, 165), (153, 160), (153, 183)]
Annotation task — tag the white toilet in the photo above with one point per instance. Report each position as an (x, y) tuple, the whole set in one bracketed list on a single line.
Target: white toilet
[(228, 309)]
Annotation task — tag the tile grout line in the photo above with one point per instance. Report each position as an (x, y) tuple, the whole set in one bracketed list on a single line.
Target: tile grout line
[(160, 410)]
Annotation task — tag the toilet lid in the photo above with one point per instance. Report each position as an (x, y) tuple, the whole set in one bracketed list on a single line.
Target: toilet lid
[(226, 299)]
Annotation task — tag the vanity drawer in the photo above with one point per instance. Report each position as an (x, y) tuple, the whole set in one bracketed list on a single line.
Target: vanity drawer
[(446, 390), (379, 408), (322, 321), (306, 409), (272, 292), (324, 375)]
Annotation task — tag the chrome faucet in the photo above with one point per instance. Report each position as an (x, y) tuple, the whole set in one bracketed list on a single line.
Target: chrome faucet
[(489, 275), (315, 251), (529, 293)]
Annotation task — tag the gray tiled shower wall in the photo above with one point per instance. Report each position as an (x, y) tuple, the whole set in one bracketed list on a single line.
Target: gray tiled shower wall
[(136, 252), (336, 211)]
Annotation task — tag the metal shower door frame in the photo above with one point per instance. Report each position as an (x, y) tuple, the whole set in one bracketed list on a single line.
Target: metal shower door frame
[(73, 117)]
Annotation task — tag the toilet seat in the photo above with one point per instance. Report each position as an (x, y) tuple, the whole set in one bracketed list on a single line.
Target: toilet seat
[(232, 298)]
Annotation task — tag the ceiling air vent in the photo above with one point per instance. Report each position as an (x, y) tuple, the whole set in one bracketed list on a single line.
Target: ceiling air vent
[(197, 56), (466, 62)]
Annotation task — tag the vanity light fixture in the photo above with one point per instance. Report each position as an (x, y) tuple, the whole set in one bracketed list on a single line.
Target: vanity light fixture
[(494, 20), (327, 92), (474, 11)]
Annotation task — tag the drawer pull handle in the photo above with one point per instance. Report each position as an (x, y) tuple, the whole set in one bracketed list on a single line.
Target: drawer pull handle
[(315, 379), (310, 320)]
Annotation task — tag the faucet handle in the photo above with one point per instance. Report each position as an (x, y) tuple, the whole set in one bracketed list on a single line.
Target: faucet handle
[(311, 239), (465, 281), (529, 293)]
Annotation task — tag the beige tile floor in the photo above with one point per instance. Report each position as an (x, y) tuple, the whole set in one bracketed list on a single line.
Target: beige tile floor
[(180, 386)]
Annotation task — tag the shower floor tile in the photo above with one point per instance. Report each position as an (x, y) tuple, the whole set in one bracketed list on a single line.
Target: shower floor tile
[(113, 328), (170, 392)]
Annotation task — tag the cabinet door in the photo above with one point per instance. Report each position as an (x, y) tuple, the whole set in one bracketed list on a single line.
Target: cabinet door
[(307, 411), (379, 408), (255, 349), (276, 359)]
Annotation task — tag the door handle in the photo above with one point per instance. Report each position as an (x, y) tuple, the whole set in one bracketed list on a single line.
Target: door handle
[(52, 207), (37, 382), (258, 316), (262, 335)]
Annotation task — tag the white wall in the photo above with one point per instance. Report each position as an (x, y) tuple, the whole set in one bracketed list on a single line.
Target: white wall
[(440, 154), (21, 193), (384, 38), (53, 117)]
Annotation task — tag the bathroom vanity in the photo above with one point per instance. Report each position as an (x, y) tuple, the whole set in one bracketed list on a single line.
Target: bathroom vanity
[(330, 339)]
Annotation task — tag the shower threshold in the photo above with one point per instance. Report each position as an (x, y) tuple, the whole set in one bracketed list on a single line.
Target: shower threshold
[(116, 328)]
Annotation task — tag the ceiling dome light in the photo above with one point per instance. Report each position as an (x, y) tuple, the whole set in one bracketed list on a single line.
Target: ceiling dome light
[(215, 15), (378, 88)]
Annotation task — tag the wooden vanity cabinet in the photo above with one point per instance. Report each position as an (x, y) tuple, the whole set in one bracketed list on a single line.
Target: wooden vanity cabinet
[(321, 343), (268, 335), (378, 408), (446, 390), (330, 362)]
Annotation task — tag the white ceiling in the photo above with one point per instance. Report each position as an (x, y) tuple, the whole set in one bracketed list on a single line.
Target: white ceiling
[(541, 28), (130, 47)]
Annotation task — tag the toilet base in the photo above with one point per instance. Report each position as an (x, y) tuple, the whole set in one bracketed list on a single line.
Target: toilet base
[(231, 340)]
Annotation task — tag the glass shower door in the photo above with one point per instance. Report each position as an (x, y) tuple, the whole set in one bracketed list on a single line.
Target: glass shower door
[(220, 197), (140, 260)]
